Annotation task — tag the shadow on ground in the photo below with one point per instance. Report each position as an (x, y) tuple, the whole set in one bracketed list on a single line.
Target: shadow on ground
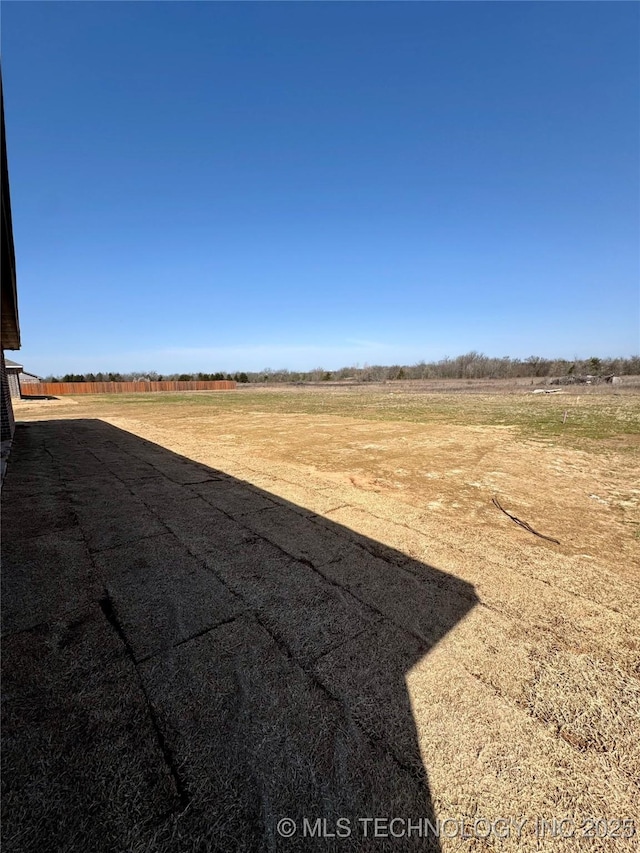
[(189, 659)]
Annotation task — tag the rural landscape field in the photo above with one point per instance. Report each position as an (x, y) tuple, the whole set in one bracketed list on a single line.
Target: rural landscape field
[(320, 427), (528, 705)]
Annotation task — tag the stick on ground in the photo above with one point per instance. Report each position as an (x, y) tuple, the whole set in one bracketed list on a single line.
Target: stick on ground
[(524, 524)]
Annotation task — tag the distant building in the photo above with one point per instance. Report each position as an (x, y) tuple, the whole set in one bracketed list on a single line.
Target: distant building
[(17, 377)]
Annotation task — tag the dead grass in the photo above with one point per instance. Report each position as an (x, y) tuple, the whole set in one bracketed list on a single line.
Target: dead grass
[(530, 705), (591, 413)]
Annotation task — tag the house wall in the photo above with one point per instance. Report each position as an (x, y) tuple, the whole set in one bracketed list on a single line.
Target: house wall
[(6, 409), (14, 382), (25, 378)]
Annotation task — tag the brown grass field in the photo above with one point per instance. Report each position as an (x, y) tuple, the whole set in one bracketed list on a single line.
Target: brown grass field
[(529, 707)]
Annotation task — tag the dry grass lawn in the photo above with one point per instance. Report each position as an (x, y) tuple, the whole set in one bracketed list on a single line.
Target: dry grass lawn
[(530, 706)]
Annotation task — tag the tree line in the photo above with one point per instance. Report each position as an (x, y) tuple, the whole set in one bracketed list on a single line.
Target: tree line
[(148, 376), (471, 365)]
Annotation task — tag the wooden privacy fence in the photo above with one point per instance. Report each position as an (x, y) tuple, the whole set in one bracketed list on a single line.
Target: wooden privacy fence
[(57, 389)]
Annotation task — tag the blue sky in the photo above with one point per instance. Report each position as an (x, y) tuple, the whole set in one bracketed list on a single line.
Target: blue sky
[(233, 186)]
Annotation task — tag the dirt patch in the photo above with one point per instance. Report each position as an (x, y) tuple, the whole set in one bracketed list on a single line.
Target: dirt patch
[(26, 408)]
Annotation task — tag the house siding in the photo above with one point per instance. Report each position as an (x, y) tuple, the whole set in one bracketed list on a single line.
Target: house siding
[(14, 382), (8, 421), (26, 378)]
